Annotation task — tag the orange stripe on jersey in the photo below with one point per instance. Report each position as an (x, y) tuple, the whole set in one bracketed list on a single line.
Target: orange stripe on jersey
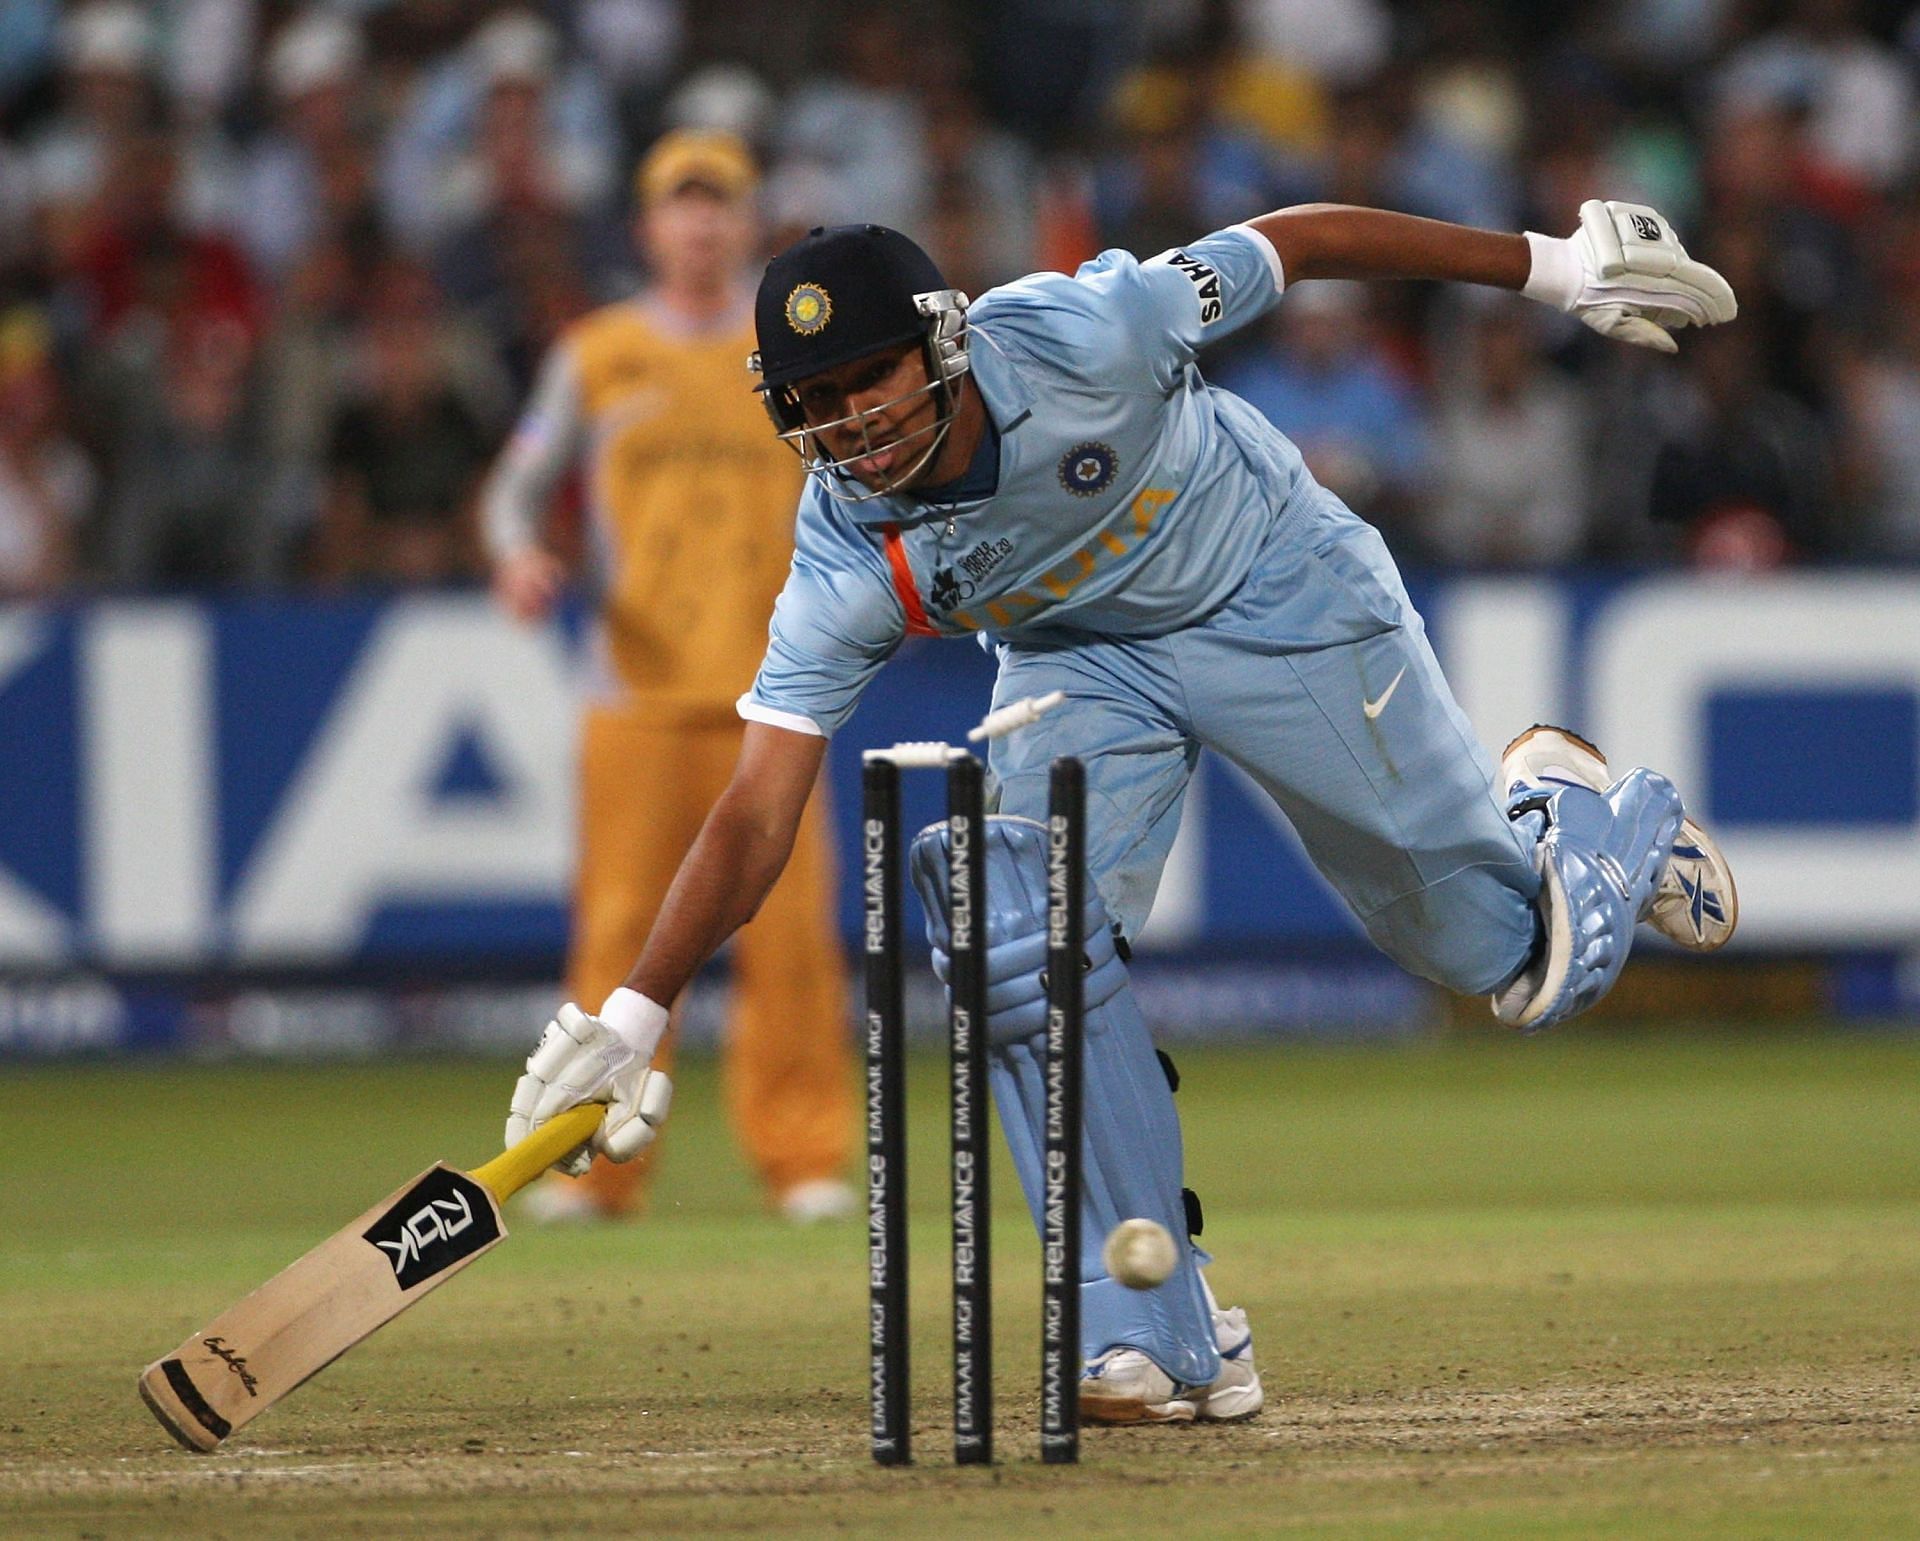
[(917, 623)]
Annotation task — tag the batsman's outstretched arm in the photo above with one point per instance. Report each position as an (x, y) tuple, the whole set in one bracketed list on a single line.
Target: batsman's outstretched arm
[(723, 880), (1335, 240), (1623, 272)]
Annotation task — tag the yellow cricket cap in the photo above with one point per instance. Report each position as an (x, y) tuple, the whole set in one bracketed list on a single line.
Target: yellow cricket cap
[(686, 156)]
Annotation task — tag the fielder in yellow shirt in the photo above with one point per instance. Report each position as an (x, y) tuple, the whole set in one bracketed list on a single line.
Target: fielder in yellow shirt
[(690, 506)]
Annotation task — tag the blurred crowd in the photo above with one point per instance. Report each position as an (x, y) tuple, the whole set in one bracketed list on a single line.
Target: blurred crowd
[(274, 277)]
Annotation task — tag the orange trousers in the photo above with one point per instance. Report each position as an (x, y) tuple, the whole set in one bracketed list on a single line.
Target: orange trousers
[(788, 1073)]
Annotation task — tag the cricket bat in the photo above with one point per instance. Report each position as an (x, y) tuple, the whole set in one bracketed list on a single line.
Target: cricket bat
[(310, 1313)]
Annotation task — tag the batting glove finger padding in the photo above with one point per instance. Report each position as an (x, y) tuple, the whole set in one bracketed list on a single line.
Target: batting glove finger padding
[(639, 1109), (585, 1075), (567, 1032), (1625, 274)]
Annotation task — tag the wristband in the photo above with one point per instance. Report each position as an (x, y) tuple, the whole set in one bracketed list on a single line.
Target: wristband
[(635, 1020), (1556, 277)]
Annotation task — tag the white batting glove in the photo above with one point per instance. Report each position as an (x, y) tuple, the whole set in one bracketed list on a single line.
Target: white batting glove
[(1626, 275), (582, 1058)]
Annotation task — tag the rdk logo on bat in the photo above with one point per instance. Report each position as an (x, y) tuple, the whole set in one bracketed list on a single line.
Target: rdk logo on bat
[(440, 1220)]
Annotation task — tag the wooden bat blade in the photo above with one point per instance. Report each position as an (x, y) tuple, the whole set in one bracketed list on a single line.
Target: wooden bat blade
[(354, 1282), (314, 1310)]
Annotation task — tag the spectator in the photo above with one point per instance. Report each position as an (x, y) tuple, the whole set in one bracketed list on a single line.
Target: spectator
[(1341, 41), (518, 278), (1882, 394), (1186, 169), (1508, 447), (106, 100), (1581, 141), (17, 243), (1149, 199), (867, 127), (155, 309), (46, 484), (1464, 122), (525, 207), (1362, 146), (140, 261), (632, 45), (108, 103), (1777, 237), (303, 373), (1326, 383), (314, 357), (1741, 469), (186, 508), (310, 172), (209, 48), (728, 98), (1047, 67), (1400, 143), (404, 454), (506, 122), (1854, 90), (981, 217), (29, 33)]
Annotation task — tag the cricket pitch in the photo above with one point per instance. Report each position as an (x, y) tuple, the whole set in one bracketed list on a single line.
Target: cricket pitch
[(1623, 1283)]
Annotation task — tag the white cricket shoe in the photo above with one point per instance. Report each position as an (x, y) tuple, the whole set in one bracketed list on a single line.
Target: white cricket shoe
[(556, 1200), (819, 1198), (1124, 1386), (1235, 1392), (1696, 904)]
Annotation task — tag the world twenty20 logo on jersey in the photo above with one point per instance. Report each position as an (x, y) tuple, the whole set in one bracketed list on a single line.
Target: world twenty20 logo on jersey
[(952, 587)]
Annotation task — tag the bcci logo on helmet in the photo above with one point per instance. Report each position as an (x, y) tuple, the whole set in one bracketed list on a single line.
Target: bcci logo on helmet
[(1087, 469), (809, 308)]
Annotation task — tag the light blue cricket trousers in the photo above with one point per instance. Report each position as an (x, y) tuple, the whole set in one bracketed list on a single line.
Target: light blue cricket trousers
[(1316, 679)]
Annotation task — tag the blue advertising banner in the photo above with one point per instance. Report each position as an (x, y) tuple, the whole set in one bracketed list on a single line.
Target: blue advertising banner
[(322, 784)]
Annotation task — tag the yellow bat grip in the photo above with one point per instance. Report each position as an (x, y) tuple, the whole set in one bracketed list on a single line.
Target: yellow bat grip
[(516, 1166)]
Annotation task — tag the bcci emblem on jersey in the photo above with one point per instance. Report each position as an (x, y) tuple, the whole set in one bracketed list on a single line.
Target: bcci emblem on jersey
[(1088, 468), (809, 308)]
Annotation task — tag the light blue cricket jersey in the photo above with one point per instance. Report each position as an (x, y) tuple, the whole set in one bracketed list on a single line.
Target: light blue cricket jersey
[(1132, 498)]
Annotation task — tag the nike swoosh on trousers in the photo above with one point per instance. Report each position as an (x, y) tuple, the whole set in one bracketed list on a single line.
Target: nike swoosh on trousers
[(1374, 708)]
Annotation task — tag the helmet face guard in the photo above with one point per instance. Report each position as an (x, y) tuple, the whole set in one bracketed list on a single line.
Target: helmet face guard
[(943, 347)]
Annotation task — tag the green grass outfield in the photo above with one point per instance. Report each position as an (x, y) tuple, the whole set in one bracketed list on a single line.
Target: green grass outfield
[(1624, 1283)]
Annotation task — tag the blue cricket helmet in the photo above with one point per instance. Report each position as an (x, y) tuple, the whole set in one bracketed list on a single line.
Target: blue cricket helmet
[(837, 295)]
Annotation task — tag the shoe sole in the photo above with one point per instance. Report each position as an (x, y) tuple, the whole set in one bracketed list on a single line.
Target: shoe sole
[(1122, 1414), (1232, 1403), (1103, 1410), (1546, 727), (1680, 930)]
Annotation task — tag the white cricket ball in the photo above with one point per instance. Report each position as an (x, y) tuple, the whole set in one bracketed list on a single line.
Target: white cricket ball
[(1140, 1253)]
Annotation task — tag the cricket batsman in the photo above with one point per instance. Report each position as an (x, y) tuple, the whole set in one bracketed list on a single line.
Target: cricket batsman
[(689, 504), (1045, 469)]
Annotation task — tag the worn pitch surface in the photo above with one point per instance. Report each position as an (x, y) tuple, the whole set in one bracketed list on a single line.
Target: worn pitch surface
[(1611, 1283)]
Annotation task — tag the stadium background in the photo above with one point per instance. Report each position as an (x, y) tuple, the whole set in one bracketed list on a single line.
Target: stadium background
[(284, 822), (271, 786)]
